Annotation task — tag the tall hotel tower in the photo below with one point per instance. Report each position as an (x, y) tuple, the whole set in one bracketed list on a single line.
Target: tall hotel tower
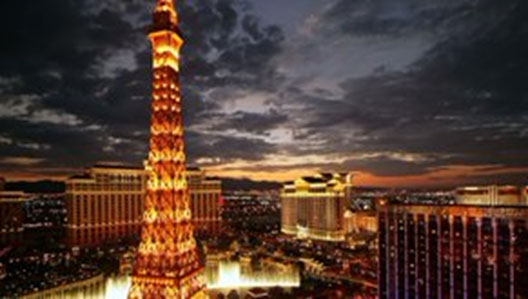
[(167, 263), (314, 207), (453, 251)]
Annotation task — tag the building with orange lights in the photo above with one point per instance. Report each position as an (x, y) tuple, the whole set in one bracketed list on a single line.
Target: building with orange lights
[(107, 202), (206, 197), (490, 195), (360, 221), (314, 207), (453, 251), (2, 184), (12, 216), (104, 204)]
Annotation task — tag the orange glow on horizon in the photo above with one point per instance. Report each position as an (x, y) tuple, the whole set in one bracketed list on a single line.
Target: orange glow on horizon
[(453, 175), (449, 175)]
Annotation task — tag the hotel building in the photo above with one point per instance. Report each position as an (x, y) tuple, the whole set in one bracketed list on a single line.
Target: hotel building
[(361, 222), (206, 197), (491, 195), (453, 251), (105, 203), (12, 216), (314, 207)]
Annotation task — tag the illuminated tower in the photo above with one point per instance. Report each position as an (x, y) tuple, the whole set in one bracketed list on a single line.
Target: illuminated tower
[(167, 263)]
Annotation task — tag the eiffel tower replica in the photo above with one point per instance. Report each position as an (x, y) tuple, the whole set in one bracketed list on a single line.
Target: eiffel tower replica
[(167, 263)]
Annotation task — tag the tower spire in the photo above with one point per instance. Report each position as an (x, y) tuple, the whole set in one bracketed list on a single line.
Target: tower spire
[(167, 263), (165, 14)]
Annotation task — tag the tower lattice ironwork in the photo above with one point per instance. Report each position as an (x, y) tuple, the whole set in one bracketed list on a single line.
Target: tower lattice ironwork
[(167, 263)]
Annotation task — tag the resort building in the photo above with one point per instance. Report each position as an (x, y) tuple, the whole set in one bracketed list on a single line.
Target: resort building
[(453, 251), (314, 207), (206, 199), (360, 221), (104, 204), (491, 195)]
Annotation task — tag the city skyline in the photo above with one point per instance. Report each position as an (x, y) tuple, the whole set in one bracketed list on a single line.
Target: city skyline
[(405, 93)]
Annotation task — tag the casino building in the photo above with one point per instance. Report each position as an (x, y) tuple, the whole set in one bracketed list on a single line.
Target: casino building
[(360, 222), (453, 251), (206, 199), (491, 195), (314, 207), (106, 203)]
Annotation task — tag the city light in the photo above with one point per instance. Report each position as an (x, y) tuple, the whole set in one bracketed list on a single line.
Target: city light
[(229, 275)]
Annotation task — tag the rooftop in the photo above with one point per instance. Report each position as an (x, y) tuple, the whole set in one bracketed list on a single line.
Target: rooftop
[(117, 166), (315, 179), (81, 177), (472, 210), (13, 196)]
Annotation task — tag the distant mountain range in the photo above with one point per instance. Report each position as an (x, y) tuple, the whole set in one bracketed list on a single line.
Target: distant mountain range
[(228, 184), (36, 187), (231, 184)]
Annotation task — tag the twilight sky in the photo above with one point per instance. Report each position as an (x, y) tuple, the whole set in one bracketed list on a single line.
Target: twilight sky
[(403, 92)]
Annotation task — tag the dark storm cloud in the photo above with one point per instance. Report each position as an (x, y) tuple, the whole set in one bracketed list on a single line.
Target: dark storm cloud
[(465, 100), (257, 123), (389, 17), (223, 149), (54, 44), (86, 64), (75, 78)]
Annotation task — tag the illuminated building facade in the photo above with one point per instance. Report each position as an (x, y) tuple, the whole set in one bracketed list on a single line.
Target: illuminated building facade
[(490, 195), (167, 263), (206, 197), (12, 216), (105, 203), (456, 251), (360, 221), (314, 207), (2, 184)]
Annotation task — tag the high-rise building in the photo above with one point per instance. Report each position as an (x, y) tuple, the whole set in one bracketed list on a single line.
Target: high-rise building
[(453, 251), (167, 263), (104, 204), (206, 197), (314, 207), (490, 195), (12, 216)]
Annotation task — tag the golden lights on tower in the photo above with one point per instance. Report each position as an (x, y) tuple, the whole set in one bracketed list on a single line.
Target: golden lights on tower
[(167, 264)]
